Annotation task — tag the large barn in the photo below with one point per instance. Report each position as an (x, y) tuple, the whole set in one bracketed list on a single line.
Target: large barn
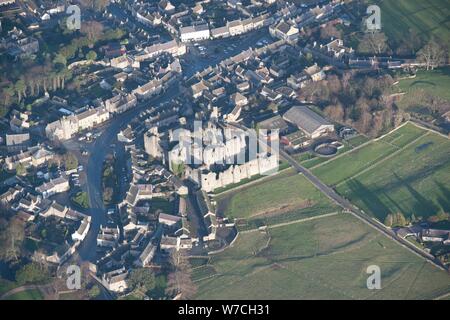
[(312, 124)]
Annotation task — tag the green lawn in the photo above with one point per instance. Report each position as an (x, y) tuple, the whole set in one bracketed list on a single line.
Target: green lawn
[(427, 86), (404, 135), (33, 294), (322, 259), (414, 180), (286, 196), (6, 285), (426, 17), (434, 82), (338, 170), (357, 141)]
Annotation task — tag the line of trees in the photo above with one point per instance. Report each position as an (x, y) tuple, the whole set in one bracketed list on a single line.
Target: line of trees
[(359, 101), (52, 73)]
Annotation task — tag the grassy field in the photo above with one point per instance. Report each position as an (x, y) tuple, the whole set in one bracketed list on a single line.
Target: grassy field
[(6, 285), (427, 17), (284, 197), (434, 82), (322, 259), (338, 170), (407, 171), (33, 294), (427, 86)]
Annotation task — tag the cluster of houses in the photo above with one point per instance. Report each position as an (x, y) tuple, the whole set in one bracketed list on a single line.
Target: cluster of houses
[(425, 234), (149, 227), (191, 24), (33, 209), (258, 86), (88, 117), (18, 44)]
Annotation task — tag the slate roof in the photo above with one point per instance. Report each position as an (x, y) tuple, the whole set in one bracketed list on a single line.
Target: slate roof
[(305, 119)]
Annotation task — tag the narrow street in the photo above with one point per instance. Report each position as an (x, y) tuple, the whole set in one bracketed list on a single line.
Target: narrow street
[(107, 141)]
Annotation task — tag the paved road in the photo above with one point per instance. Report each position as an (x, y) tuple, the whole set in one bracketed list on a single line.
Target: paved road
[(352, 209), (99, 149), (348, 206)]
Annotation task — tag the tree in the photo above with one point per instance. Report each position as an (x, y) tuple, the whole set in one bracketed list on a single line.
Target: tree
[(21, 170), (389, 220), (330, 31), (20, 88), (91, 55), (396, 220), (11, 240), (432, 54), (94, 291), (179, 280), (373, 43), (141, 279), (335, 112), (32, 273), (93, 31)]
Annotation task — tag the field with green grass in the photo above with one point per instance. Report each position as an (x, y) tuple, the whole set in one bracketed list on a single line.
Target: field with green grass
[(427, 17), (434, 82), (427, 95), (406, 171), (6, 285), (33, 294), (322, 259), (284, 197)]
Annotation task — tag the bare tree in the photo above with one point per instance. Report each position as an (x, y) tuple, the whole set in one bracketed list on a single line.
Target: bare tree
[(373, 43), (12, 239), (92, 29), (432, 54), (179, 280), (330, 31)]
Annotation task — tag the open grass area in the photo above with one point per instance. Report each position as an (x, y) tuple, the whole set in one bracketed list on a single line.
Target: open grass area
[(406, 171), (404, 135), (322, 259), (341, 168), (427, 17), (434, 82), (284, 197), (33, 294), (6, 285)]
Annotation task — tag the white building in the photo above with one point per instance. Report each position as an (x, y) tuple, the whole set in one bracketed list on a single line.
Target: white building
[(194, 33), (173, 47), (66, 127), (54, 186), (82, 230)]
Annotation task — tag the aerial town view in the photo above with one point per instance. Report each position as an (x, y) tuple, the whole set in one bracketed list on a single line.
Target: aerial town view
[(224, 150)]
